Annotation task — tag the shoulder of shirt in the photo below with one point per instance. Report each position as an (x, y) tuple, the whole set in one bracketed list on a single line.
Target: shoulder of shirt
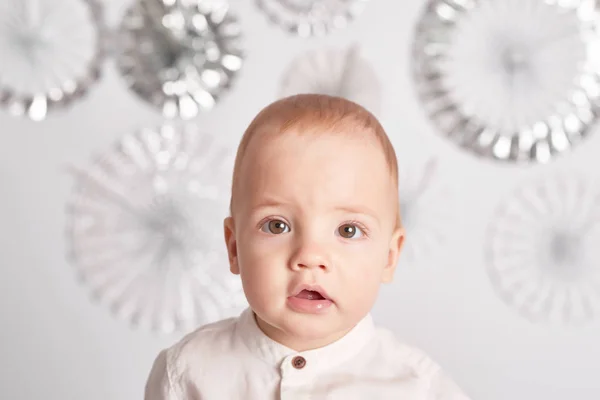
[(400, 354), (409, 356), (203, 340)]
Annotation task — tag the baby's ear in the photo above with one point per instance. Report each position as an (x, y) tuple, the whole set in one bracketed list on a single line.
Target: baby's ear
[(230, 242), (393, 254)]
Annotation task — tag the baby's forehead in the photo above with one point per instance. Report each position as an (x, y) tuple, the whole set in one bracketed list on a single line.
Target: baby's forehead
[(316, 168), (358, 147), (306, 135), (307, 122)]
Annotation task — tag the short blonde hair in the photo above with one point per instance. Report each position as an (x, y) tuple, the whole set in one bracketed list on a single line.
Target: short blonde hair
[(314, 114)]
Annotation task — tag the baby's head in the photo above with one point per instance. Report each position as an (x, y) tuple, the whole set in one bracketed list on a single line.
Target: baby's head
[(314, 206)]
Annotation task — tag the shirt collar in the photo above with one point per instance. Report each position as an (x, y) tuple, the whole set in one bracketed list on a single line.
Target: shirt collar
[(322, 358)]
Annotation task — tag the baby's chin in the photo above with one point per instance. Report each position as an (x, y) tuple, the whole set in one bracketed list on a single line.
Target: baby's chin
[(311, 327), (316, 332)]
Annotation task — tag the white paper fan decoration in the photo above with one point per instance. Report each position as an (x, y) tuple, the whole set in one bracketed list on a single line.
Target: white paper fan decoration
[(512, 80), (336, 72), (311, 17), (51, 52), (145, 229), (180, 56), (425, 209), (543, 250)]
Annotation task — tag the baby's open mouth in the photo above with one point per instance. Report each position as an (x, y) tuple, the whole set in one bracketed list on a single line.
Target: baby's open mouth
[(310, 299), (310, 295)]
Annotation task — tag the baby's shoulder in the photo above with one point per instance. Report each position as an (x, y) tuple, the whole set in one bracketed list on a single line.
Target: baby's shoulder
[(187, 358), (401, 354), (210, 339), (396, 355)]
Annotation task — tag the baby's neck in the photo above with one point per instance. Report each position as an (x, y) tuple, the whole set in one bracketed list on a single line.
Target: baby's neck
[(295, 343)]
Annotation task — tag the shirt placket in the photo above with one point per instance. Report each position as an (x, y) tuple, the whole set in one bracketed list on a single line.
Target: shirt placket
[(296, 378)]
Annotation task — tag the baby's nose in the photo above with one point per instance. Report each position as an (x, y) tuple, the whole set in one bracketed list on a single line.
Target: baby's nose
[(311, 256), (312, 265)]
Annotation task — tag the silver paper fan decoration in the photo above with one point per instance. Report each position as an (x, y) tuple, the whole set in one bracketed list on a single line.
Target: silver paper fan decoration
[(543, 253), (145, 229), (337, 72), (512, 80), (180, 55), (311, 17), (425, 211), (51, 52)]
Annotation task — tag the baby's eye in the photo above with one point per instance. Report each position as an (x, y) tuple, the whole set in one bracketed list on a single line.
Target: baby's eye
[(350, 231), (275, 226)]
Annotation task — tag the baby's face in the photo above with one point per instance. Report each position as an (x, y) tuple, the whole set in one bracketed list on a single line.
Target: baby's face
[(315, 212)]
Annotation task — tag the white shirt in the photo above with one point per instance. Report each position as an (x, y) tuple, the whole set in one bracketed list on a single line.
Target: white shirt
[(233, 359)]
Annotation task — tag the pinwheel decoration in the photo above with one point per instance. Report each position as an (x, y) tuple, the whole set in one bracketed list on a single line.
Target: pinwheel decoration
[(425, 210), (542, 249), (51, 54), (307, 18), (144, 229), (337, 72), (180, 56), (510, 80)]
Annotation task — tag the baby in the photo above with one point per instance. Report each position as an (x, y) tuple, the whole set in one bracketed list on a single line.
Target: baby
[(314, 230)]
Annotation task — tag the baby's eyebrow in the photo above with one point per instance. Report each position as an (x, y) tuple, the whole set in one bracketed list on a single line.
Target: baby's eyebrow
[(352, 209), (268, 202)]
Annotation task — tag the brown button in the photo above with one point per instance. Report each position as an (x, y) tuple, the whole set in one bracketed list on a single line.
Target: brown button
[(298, 362)]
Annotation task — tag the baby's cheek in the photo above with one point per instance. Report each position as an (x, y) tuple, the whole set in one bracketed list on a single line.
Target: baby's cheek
[(261, 244), (361, 273), (359, 290), (255, 247), (262, 284), (263, 268)]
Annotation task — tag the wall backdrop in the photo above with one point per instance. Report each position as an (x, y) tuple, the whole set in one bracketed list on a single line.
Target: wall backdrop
[(500, 280)]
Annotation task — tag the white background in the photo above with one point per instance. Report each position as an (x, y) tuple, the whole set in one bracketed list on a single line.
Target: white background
[(57, 344)]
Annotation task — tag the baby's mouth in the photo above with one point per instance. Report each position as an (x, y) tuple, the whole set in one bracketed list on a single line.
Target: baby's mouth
[(310, 295), (310, 299)]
